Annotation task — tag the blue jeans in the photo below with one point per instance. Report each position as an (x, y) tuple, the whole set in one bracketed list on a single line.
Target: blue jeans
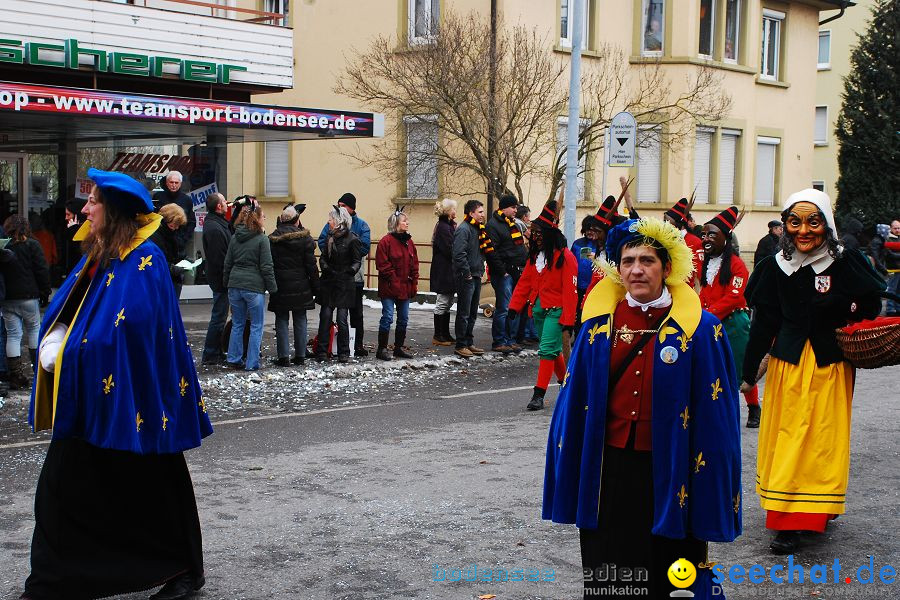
[(246, 305), (212, 347), (387, 313), (468, 295), (23, 321), (503, 328), (282, 333)]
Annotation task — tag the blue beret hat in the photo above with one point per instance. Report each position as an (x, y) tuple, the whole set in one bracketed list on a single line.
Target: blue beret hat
[(124, 191), (618, 236)]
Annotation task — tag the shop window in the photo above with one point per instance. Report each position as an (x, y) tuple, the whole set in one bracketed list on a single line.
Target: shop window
[(649, 170), (820, 136), (707, 27), (421, 156), (766, 168), (702, 163), (423, 20), (567, 18), (652, 29), (771, 44), (728, 156), (732, 30), (562, 142), (824, 60), (277, 169)]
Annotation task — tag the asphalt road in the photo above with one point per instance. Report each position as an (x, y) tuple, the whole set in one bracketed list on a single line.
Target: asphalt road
[(377, 493)]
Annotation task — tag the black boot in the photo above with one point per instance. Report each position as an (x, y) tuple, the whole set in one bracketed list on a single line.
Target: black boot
[(181, 587), (753, 414), (18, 372), (785, 542), (358, 349), (383, 352), (399, 339), (447, 335), (537, 400), (438, 338)]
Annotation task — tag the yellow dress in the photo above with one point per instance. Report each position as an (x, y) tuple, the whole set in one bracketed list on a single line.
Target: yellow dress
[(803, 461)]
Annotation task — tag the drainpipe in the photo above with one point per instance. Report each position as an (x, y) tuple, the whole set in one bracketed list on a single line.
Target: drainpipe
[(844, 6)]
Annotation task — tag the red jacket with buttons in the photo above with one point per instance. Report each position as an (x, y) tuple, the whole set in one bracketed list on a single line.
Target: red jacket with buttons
[(723, 299), (556, 287)]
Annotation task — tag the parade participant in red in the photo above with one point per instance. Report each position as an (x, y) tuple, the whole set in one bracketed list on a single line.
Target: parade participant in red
[(548, 284), (722, 282), (678, 216)]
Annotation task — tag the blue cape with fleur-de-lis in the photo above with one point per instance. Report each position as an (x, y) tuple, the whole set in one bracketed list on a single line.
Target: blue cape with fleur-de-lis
[(695, 423), (124, 376)]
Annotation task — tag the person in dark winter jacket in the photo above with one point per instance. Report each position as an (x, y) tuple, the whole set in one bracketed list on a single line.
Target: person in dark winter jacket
[(340, 261), (505, 265), (216, 237), (165, 237), (769, 244), (294, 257), (27, 279), (248, 274), (850, 234), (470, 245), (441, 277), (398, 280), (171, 194)]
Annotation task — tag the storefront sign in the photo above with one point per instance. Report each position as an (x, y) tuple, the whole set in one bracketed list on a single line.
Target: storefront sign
[(199, 196), (55, 100), (83, 187), (140, 162), (67, 55)]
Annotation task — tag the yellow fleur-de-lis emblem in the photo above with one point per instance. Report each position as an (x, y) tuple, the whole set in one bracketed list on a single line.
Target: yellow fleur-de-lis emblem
[(84, 341), (682, 496), (699, 462), (146, 261), (108, 384), (183, 385), (717, 332), (109, 278), (684, 418), (664, 331), (138, 421), (597, 328), (684, 339), (716, 389), (737, 503), (120, 317), (165, 420), (202, 404)]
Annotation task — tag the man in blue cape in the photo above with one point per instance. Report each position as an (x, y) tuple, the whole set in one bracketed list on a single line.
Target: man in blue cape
[(644, 451)]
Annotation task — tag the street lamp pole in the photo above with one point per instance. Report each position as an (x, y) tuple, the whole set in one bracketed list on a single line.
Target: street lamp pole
[(574, 122)]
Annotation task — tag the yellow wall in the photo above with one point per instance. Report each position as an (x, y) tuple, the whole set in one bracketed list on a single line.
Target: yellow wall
[(326, 31)]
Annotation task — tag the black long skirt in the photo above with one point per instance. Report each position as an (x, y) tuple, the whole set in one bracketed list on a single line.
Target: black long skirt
[(110, 522), (622, 552)]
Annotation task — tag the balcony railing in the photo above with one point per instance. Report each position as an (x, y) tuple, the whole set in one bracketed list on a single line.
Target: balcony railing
[(214, 9)]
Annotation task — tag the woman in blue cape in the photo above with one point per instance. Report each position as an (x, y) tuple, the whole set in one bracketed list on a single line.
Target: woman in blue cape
[(115, 382)]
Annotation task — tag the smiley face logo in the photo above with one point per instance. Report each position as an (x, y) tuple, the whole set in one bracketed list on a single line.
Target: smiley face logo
[(682, 573)]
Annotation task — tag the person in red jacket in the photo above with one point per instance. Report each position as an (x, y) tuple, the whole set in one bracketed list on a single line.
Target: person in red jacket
[(398, 280), (548, 283), (678, 216), (723, 279)]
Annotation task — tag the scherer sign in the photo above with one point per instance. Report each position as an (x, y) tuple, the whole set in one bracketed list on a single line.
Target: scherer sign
[(69, 55)]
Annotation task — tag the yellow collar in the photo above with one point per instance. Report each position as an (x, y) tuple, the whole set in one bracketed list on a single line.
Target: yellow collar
[(686, 308), (149, 223)]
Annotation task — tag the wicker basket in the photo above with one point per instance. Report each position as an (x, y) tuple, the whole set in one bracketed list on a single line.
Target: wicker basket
[(871, 344)]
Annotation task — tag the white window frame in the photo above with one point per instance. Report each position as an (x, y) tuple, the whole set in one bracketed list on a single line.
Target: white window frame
[(721, 187), (703, 187), (766, 141), (640, 193), (712, 32), (566, 40), (776, 19), (562, 142), (282, 187), (662, 28), (823, 141), (823, 65), (429, 15), (418, 163), (819, 182), (737, 33)]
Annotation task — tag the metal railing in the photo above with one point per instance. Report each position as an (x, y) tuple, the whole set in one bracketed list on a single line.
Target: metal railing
[(215, 10)]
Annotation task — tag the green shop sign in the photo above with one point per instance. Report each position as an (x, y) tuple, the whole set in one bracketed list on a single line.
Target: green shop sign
[(119, 63)]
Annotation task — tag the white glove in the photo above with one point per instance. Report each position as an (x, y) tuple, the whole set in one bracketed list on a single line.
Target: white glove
[(50, 347)]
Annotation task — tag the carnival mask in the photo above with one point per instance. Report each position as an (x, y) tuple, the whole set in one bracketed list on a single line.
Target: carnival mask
[(805, 226), (713, 240)]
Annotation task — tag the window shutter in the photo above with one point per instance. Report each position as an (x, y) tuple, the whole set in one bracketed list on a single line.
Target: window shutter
[(649, 164), (727, 164), (821, 131), (765, 173), (702, 153), (824, 59), (277, 169)]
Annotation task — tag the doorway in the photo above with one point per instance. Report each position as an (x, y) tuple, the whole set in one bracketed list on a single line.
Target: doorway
[(13, 180)]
